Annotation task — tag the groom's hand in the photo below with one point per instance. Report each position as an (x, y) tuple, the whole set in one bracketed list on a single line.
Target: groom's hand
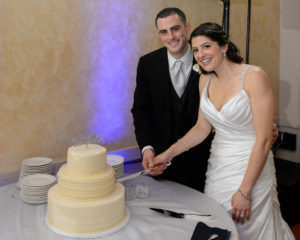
[(148, 158), (148, 162)]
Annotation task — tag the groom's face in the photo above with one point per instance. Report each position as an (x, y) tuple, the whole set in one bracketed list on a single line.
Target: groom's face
[(173, 34)]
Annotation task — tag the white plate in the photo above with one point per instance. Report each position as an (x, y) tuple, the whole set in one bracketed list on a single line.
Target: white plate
[(37, 180), (35, 189), (34, 198), (38, 196), (48, 166), (37, 161), (118, 169), (36, 171), (114, 160), (33, 201)]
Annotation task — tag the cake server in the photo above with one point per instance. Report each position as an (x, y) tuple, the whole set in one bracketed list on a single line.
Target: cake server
[(190, 216), (134, 175)]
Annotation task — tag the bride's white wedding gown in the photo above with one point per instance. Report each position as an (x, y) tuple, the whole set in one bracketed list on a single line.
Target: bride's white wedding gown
[(230, 152)]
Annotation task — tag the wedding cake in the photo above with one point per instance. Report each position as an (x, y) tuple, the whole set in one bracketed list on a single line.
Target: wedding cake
[(87, 199)]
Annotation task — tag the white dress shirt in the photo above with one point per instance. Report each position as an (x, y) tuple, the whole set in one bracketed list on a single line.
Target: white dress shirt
[(186, 68)]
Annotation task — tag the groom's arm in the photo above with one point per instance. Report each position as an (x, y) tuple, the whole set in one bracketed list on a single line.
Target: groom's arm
[(142, 107)]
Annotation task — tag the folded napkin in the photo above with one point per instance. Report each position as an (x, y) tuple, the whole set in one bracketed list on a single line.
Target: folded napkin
[(205, 232)]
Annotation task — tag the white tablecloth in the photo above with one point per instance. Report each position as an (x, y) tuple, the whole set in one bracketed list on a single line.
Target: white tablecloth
[(22, 221)]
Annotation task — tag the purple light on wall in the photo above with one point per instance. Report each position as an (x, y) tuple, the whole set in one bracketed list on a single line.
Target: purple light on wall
[(112, 44)]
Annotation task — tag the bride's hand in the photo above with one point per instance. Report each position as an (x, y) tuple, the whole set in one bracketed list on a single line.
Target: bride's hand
[(240, 208), (159, 164)]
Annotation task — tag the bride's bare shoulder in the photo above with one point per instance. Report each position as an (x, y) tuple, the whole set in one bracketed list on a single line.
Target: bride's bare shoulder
[(256, 80)]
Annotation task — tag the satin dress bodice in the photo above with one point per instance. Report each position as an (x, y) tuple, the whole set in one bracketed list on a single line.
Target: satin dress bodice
[(230, 153)]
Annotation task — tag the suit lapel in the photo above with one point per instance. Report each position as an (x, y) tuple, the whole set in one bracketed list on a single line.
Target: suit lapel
[(164, 68), (193, 94), (165, 79), (194, 75)]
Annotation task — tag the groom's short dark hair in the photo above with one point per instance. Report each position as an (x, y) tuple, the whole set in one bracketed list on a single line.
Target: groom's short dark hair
[(166, 12)]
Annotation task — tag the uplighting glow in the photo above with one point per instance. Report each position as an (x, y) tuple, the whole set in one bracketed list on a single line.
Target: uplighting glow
[(113, 46)]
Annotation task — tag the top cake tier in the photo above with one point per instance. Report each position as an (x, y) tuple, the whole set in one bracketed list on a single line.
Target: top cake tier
[(86, 159)]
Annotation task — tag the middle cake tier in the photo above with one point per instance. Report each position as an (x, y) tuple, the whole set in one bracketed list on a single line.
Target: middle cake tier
[(85, 187)]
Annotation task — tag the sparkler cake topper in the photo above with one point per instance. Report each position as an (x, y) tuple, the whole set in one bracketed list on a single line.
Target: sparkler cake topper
[(93, 139)]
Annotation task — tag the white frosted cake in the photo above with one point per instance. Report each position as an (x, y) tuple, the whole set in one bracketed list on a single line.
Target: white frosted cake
[(86, 199)]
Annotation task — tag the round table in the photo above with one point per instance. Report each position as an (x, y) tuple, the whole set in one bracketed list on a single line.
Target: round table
[(22, 221)]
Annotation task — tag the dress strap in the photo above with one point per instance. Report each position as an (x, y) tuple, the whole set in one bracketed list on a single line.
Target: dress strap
[(207, 83), (243, 75), (209, 78)]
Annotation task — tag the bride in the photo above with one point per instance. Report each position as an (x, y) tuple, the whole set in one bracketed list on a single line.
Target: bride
[(237, 102)]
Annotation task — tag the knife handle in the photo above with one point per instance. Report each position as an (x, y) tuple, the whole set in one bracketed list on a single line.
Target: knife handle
[(173, 214), (167, 164), (146, 171)]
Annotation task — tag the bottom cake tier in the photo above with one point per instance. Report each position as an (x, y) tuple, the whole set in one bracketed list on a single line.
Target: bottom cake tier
[(85, 217)]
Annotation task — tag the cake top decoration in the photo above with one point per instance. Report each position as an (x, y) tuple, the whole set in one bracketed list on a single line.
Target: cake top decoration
[(93, 139)]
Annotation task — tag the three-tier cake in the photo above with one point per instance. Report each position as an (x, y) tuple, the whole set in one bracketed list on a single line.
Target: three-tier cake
[(86, 199)]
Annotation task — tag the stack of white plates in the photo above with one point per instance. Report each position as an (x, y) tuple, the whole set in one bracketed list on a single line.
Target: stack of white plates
[(117, 162), (35, 165), (34, 188)]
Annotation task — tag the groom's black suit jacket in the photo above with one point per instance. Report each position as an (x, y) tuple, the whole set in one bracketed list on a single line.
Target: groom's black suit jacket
[(155, 123)]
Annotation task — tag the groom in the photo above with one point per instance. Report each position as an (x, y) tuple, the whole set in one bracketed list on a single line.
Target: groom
[(163, 109)]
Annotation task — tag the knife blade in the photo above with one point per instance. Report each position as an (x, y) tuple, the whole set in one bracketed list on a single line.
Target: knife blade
[(190, 216), (137, 174)]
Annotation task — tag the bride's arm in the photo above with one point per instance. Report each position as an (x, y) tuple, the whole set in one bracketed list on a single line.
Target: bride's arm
[(193, 137), (260, 93)]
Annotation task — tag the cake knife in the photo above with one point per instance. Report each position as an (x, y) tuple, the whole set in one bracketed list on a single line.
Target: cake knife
[(190, 216), (137, 174)]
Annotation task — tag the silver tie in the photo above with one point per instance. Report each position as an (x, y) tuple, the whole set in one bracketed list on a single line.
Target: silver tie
[(179, 80)]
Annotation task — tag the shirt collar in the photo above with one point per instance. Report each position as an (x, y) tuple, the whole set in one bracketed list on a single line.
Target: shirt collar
[(187, 58)]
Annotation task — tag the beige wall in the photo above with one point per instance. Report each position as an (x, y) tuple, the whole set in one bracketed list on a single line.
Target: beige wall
[(52, 56), (289, 84), (289, 110)]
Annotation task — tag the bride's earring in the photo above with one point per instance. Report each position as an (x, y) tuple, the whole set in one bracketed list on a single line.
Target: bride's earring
[(224, 54)]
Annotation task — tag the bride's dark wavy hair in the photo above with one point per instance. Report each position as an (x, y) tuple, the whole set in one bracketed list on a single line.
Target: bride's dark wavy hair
[(216, 33)]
